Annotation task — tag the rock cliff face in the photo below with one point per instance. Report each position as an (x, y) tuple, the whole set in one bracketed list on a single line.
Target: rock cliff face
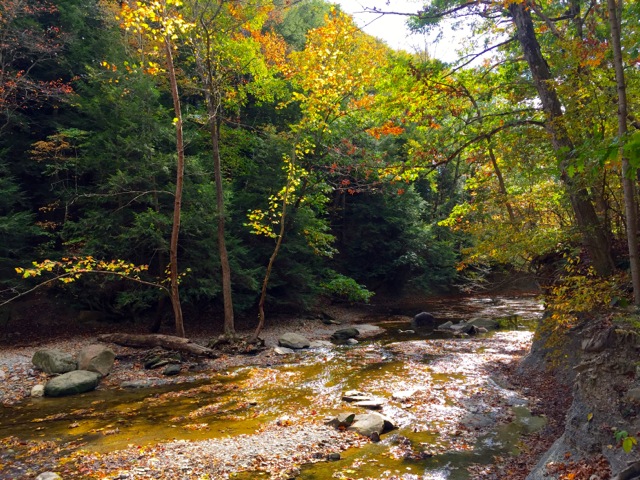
[(601, 361)]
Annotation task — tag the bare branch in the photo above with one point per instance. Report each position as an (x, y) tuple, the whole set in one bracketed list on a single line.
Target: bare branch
[(474, 56), (67, 275)]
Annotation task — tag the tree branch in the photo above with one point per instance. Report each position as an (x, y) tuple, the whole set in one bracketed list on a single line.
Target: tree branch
[(67, 275)]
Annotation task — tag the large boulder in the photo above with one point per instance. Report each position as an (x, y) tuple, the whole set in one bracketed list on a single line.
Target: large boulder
[(96, 358), (71, 383), (53, 361), (371, 424), (424, 320), (344, 334), (293, 340)]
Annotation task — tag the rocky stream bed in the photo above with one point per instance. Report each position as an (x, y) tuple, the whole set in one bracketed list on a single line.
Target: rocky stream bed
[(265, 415)]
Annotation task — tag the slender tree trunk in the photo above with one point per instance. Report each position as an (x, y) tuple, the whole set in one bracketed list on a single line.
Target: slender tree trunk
[(627, 182), (207, 69), (501, 184), (272, 259), (177, 206), (229, 326), (593, 235)]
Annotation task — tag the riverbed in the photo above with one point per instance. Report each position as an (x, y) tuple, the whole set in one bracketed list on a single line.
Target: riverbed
[(452, 407)]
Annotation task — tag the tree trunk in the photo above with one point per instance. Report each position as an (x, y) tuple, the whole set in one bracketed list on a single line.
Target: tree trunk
[(177, 206), (627, 182), (214, 123), (272, 259), (501, 184), (593, 236), (169, 342)]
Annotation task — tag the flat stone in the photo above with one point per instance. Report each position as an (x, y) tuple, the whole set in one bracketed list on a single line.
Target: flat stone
[(293, 340), (171, 369), (404, 395), (355, 396), (71, 383), (136, 384), (283, 350), (320, 344), (488, 323), (370, 404), (352, 341)]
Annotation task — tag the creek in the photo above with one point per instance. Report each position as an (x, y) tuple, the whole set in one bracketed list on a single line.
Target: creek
[(458, 412)]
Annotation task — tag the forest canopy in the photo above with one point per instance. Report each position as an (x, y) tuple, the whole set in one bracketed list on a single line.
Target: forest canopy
[(265, 155)]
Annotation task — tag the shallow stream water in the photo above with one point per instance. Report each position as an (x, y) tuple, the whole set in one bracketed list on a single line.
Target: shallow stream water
[(459, 415)]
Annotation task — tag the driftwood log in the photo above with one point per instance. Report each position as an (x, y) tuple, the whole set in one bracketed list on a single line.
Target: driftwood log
[(165, 341)]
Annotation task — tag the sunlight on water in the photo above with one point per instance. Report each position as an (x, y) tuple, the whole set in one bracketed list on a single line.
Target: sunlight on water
[(445, 379)]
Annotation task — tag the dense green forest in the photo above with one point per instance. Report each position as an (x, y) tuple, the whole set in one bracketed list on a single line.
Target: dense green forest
[(237, 157)]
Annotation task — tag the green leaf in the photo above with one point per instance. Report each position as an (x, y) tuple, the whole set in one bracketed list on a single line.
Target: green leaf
[(628, 443)]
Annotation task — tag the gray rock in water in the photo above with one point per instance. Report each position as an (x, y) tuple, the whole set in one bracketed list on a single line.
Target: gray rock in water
[(37, 391), (342, 420), (71, 383), (136, 384), (171, 369), (352, 341), (344, 334), (488, 323), (374, 404), (48, 476), (53, 361), (423, 320), (370, 423), (293, 340), (405, 395), (446, 325), (333, 457), (320, 344), (283, 350), (355, 396), (96, 358), (465, 328)]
